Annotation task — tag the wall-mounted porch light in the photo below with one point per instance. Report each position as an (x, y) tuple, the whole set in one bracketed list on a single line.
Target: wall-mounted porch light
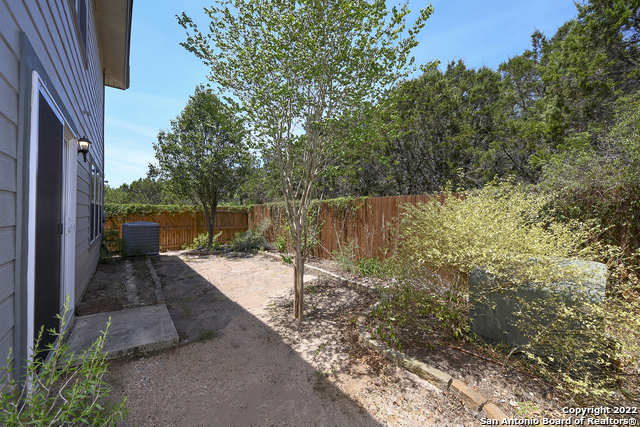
[(83, 148)]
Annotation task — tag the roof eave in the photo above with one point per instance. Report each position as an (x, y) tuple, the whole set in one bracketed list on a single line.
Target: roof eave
[(114, 34)]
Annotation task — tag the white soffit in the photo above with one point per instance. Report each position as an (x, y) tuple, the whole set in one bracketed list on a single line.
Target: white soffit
[(114, 33)]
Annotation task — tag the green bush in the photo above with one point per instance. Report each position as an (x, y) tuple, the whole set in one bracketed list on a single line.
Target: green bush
[(347, 256), (252, 239), (499, 228), (428, 310), (63, 390), (503, 229), (281, 244), (202, 240), (248, 241), (372, 267)]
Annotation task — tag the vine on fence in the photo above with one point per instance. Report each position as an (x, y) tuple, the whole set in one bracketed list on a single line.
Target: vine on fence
[(339, 209), (117, 213)]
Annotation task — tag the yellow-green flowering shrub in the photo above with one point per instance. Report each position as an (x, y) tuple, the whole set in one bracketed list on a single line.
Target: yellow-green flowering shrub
[(499, 228), (65, 389), (504, 230)]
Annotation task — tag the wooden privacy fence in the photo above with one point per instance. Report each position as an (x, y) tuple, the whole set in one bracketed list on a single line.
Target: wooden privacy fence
[(363, 223), (179, 229)]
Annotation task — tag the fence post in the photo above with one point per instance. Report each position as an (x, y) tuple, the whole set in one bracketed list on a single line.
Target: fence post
[(195, 225)]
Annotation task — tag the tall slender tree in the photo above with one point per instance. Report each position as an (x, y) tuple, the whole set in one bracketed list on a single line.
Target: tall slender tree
[(297, 67)]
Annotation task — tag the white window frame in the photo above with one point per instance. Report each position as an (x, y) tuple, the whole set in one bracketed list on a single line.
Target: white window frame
[(82, 43), (96, 191)]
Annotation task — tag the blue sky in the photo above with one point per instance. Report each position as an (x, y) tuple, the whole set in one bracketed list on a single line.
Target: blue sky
[(164, 74)]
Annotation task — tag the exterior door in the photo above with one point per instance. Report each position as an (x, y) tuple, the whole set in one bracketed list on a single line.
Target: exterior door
[(49, 223)]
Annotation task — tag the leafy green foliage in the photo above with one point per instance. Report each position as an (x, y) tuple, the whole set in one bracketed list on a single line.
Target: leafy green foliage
[(498, 227), (505, 230), (428, 311), (117, 213), (298, 68), (204, 157), (281, 244), (252, 239), (202, 240), (63, 390), (602, 185), (372, 267), (347, 256), (468, 126), (142, 191), (444, 124), (248, 241)]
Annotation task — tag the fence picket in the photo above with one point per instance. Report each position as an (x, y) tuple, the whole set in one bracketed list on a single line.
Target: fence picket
[(177, 230)]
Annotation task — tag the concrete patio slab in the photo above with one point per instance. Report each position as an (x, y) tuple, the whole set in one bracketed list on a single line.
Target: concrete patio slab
[(133, 331)]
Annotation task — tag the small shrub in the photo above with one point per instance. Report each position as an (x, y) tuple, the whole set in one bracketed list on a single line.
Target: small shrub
[(252, 239), (346, 257), (64, 390), (372, 267), (248, 241), (427, 310), (281, 244), (202, 240)]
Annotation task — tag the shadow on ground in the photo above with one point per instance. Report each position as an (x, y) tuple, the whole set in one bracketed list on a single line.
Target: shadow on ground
[(198, 309), (236, 371)]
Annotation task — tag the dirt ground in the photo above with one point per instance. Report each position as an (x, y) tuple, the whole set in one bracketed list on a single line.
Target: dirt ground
[(259, 367), (116, 285), (243, 360)]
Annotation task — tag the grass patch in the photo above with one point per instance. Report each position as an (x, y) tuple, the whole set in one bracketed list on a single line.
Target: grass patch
[(206, 334)]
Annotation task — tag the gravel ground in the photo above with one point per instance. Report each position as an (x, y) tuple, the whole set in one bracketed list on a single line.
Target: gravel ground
[(244, 361), (265, 369)]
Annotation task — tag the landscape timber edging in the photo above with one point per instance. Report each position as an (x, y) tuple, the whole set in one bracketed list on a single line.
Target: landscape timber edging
[(435, 376), (156, 281), (438, 378)]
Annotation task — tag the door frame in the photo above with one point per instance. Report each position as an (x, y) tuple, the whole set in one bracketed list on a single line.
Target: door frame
[(68, 206)]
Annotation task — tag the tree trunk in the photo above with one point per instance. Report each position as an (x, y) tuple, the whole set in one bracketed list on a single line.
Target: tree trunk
[(211, 218), (207, 218), (298, 282)]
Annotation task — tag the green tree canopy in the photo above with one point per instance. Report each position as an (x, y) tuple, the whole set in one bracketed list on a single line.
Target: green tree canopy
[(147, 190), (297, 68), (204, 157)]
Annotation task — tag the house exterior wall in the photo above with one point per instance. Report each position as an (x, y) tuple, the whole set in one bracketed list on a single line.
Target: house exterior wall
[(44, 36)]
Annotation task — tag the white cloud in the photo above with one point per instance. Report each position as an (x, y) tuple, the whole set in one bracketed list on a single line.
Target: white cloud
[(110, 122), (124, 163)]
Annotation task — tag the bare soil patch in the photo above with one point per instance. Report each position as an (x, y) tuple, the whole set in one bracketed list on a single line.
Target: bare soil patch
[(516, 392), (248, 362), (116, 285)]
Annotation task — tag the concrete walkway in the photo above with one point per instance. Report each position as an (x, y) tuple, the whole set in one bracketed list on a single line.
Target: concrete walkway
[(136, 330)]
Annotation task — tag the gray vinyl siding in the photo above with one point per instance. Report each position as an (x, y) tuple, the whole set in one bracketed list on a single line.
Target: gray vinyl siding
[(76, 81), (87, 254), (9, 71)]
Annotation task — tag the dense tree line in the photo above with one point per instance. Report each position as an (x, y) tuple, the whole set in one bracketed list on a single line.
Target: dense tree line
[(464, 126), (144, 190)]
